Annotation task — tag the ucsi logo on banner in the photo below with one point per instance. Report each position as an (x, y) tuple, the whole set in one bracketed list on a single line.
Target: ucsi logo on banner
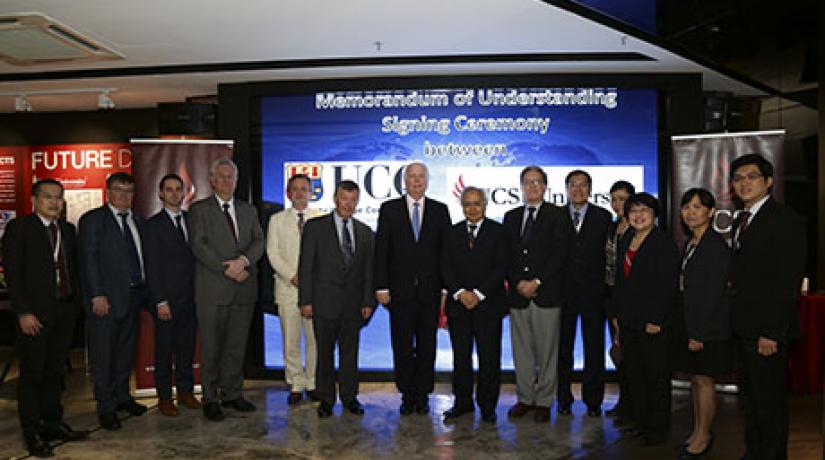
[(503, 187)]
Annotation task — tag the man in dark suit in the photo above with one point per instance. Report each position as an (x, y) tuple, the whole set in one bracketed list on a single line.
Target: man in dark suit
[(766, 270), (227, 240), (39, 255), (408, 283), (473, 264), (111, 254), (170, 269), (538, 243), (584, 294), (335, 269)]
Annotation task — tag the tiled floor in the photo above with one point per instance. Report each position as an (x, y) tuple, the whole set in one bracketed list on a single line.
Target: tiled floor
[(279, 431)]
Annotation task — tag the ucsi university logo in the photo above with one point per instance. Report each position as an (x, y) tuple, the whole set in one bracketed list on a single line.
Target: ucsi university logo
[(314, 172)]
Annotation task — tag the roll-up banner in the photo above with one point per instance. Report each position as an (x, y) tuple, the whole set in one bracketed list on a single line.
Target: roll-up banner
[(703, 160), (153, 159)]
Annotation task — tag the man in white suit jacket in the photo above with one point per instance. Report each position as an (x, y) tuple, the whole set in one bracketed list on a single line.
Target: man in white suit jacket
[(283, 249)]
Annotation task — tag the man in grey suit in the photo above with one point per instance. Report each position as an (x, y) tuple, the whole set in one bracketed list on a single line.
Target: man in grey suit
[(227, 241), (335, 269)]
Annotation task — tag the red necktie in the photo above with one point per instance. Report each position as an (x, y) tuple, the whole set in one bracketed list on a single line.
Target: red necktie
[(230, 221)]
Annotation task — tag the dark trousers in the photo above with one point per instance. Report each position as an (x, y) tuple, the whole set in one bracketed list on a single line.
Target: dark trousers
[(762, 381), (645, 357), (413, 327), (622, 406), (328, 333), (482, 325), (593, 322), (42, 360), (175, 337), (112, 343)]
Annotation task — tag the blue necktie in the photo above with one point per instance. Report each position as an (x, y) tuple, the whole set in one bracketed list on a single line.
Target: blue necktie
[(346, 246), (135, 277), (416, 220), (577, 217), (528, 225)]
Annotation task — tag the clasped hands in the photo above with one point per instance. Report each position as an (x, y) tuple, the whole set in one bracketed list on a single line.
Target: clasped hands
[(306, 311), (469, 299), (527, 288), (235, 270)]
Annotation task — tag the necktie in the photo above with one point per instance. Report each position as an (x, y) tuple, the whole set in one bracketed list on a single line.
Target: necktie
[(528, 225), (346, 245), (471, 236), (230, 221), (63, 286), (416, 220), (135, 276), (179, 225), (301, 223), (744, 219), (577, 218)]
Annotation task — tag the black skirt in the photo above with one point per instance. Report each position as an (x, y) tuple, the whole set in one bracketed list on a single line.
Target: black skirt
[(714, 360)]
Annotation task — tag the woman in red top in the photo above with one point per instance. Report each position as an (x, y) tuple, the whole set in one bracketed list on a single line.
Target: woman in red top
[(643, 298)]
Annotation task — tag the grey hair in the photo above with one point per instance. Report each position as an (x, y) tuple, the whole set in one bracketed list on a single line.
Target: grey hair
[(419, 163), (221, 162), (473, 189)]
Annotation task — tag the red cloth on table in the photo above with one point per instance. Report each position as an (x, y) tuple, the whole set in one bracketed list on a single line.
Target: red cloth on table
[(806, 366)]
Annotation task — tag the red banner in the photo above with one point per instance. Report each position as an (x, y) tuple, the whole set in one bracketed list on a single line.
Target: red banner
[(154, 158)]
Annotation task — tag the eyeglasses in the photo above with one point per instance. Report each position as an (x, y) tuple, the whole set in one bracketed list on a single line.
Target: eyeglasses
[(749, 176), (122, 190)]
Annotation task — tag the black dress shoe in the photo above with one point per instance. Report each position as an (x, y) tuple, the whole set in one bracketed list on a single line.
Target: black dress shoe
[(294, 398), (355, 407), (324, 410), (109, 421), (488, 417), (563, 409), (63, 432), (133, 407), (422, 407), (594, 412), (240, 404), (632, 432), (37, 447), (457, 411), (406, 408), (212, 411), (313, 396)]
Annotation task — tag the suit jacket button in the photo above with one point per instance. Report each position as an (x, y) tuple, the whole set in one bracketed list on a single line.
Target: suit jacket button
[(524, 252), (527, 269)]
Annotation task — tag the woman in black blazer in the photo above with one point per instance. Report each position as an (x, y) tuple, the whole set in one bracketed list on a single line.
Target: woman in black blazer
[(702, 326), (645, 289)]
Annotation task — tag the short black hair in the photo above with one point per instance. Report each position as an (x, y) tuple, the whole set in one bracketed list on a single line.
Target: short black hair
[(37, 185), (122, 177), (347, 185), (643, 199), (765, 166), (578, 172), (705, 197), (623, 185), (533, 168), (167, 177), (297, 177)]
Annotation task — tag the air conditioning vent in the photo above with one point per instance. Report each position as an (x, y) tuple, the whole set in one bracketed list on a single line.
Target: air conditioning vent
[(34, 38)]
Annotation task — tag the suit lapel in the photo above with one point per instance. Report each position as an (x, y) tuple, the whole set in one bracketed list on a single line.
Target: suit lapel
[(333, 236)]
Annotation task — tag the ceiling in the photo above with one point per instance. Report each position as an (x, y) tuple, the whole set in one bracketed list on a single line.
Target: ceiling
[(180, 49)]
